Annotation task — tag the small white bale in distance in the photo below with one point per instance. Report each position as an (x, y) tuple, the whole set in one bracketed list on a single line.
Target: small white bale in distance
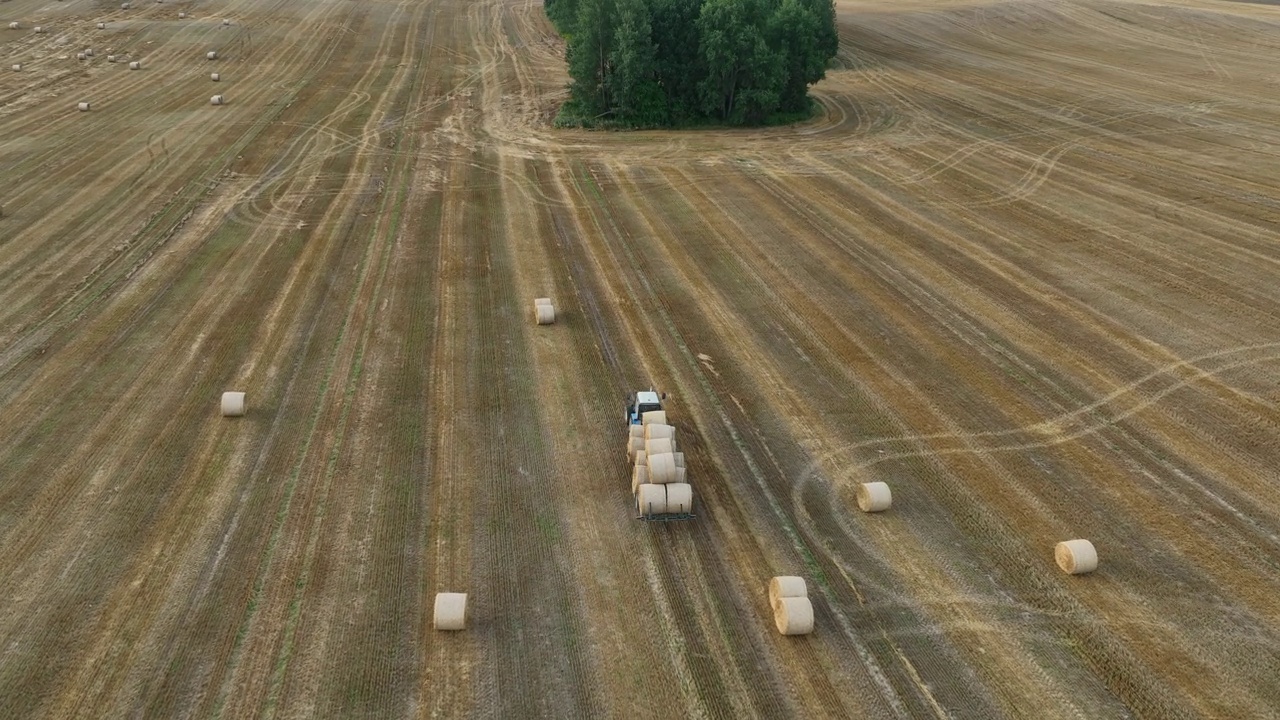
[(1076, 557), (13, 26), (215, 77), (679, 498), (39, 29), (450, 611), (102, 26), (211, 55), (232, 404), (182, 16), (226, 22), (216, 100), (88, 51), (651, 499), (81, 56), (124, 6), (786, 586), (544, 314), (654, 417), (873, 497), (793, 616), (135, 65), (17, 67), (83, 107), (111, 58)]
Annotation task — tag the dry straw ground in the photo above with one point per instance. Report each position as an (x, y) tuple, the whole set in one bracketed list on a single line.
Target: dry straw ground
[(1023, 269)]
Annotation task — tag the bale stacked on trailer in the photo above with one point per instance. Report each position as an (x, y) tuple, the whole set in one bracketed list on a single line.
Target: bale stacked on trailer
[(658, 478)]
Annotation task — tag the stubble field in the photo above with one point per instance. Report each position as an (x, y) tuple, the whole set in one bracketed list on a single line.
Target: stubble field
[(1023, 268)]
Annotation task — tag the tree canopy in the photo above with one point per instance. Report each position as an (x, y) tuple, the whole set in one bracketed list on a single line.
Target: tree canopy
[(650, 63)]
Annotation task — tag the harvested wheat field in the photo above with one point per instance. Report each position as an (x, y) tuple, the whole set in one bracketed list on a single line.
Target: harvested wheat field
[(1023, 269)]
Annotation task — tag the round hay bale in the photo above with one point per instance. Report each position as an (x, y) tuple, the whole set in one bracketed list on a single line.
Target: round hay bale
[(182, 16), (232, 404), (679, 498), (541, 301), (635, 431), (651, 499), (226, 22), (13, 26), (81, 56), (873, 497), (634, 445), (659, 446), (102, 26), (135, 65), (111, 58), (17, 67), (681, 474), (88, 51), (662, 468), (654, 416), (793, 616), (641, 458), (653, 431), (450, 611), (211, 55), (786, 586), (83, 107), (124, 6), (39, 29), (679, 459), (215, 77), (639, 476), (216, 100), (1076, 557), (544, 314)]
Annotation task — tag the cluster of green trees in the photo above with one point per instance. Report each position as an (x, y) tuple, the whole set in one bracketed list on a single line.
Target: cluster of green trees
[(650, 63)]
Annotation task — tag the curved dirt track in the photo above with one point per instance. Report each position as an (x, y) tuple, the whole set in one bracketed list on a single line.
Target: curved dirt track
[(1022, 269)]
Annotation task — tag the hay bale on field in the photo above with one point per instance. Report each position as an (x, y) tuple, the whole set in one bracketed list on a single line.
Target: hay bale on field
[(211, 55), (232, 404), (793, 616), (17, 67), (1076, 557), (111, 58), (216, 100), (135, 65), (13, 26), (679, 498), (450, 611), (215, 77), (83, 107), (102, 26), (226, 22), (873, 497), (784, 586), (544, 314), (124, 6), (81, 56), (39, 29), (182, 16), (88, 51), (658, 417), (662, 468), (651, 499)]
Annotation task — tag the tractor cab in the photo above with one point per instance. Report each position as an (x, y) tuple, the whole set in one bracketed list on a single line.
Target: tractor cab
[(642, 402)]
